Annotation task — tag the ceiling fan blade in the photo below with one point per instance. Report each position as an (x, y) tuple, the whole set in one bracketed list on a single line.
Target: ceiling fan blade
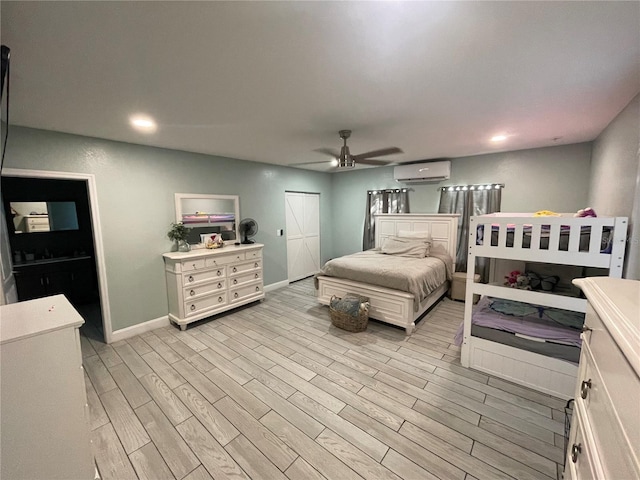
[(365, 161), (312, 163), (328, 151), (377, 153)]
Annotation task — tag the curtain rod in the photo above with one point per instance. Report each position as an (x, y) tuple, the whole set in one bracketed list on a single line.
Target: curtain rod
[(388, 190), (480, 186)]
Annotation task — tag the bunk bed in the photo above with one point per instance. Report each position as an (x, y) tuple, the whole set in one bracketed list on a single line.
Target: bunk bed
[(492, 337), (390, 305)]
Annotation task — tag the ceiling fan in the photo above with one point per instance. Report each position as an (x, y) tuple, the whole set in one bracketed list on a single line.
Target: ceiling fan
[(344, 159)]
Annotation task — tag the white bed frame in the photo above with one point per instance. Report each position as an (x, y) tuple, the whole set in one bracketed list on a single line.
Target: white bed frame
[(549, 375), (393, 306)]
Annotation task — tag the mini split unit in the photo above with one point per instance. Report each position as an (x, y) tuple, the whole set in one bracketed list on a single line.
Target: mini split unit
[(422, 172)]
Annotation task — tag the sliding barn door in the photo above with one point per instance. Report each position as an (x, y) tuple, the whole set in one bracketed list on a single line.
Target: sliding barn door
[(303, 234)]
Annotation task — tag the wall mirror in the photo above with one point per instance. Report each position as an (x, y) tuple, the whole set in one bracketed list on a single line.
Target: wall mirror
[(206, 214), (33, 217)]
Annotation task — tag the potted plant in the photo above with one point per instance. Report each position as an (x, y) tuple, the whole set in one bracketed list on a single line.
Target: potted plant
[(178, 233)]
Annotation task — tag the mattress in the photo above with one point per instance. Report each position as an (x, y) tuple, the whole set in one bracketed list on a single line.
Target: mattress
[(535, 321), (418, 276), (550, 349)]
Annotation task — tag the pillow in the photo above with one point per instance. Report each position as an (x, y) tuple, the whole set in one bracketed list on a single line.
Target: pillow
[(409, 234), (423, 236), (405, 247)]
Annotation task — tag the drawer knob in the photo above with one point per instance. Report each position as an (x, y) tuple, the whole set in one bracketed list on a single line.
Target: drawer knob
[(235, 269), (575, 451), (584, 388), (192, 293), (219, 273), (257, 276), (235, 281), (191, 278), (193, 307), (235, 295), (194, 266), (255, 264), (219, 299), (219, 285), (257, 289)]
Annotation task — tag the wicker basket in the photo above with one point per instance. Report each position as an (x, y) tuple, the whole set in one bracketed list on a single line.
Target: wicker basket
[(351, 323)]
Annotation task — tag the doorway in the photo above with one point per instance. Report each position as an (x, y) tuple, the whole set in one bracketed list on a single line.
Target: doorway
[(84, 244), (303, 234)]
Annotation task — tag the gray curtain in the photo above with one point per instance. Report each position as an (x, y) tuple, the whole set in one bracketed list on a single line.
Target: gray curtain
[(382, 201), (468, 202)]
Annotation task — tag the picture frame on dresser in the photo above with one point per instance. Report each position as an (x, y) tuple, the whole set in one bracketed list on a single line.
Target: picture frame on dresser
[(208, 214)]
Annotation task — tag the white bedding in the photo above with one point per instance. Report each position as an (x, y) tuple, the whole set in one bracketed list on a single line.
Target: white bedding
[(418, 276)]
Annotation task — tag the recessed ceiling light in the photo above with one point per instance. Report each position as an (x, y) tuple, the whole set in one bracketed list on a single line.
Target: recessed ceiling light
[(498, 138), (143, 123)]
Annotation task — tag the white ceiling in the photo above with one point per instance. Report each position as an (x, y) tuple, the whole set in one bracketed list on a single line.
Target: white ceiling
[(272, 81)]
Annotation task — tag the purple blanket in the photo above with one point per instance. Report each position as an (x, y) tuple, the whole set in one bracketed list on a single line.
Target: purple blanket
[(552, 324)]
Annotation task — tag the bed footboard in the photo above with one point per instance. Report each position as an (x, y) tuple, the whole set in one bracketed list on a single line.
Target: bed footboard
[(389, 306)]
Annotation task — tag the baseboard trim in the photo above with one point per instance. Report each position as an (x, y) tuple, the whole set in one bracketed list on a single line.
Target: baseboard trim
[(276, 286), (134, 330)]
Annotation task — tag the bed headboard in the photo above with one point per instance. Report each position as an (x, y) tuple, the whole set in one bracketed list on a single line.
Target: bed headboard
[(443, 227)]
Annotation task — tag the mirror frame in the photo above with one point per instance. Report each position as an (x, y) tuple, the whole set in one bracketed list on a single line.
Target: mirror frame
[(197, 196)]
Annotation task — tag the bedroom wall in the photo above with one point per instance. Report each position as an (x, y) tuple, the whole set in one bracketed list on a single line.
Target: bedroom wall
[(615, 177), (553, 178), (136, 186)]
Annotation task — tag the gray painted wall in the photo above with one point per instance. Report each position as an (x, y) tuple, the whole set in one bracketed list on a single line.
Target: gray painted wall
[(615, 177), (136, 186), (553, 178)]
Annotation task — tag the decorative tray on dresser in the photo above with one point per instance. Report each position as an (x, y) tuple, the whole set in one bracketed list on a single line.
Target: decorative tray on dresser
[(202, 283), (604, 442)]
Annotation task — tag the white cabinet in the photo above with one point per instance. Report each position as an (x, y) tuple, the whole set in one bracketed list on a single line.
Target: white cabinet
[(203, 283), (36, 223), (43, 405), (605, 433)]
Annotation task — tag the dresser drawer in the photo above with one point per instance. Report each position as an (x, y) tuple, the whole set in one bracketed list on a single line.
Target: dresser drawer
[(254, 255), (220, 260), (37, 227), (245, 267), (239, 294), (194, 278), (191, 265), (580, 461), (241, 279), (612, 414), (199, 290), (197, 306)]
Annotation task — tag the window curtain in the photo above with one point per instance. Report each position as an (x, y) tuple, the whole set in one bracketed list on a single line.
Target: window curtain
[(468, 200), (382, 201)]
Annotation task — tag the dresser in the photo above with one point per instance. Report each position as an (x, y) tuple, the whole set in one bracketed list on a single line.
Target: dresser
[(43, 404), (36, 223), (204, 282), (604, 442)]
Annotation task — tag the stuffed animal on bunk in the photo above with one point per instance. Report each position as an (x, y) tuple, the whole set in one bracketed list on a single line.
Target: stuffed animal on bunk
[(531, 281), (585, 212)]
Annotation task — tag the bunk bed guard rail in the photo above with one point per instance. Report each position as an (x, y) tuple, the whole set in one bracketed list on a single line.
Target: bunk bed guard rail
[(585, 241)]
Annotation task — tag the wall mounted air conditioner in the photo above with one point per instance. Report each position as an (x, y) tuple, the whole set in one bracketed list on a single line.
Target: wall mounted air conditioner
[(422, 172)]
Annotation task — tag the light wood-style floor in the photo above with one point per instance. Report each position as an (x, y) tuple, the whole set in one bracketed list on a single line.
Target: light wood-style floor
[(274, 391)]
